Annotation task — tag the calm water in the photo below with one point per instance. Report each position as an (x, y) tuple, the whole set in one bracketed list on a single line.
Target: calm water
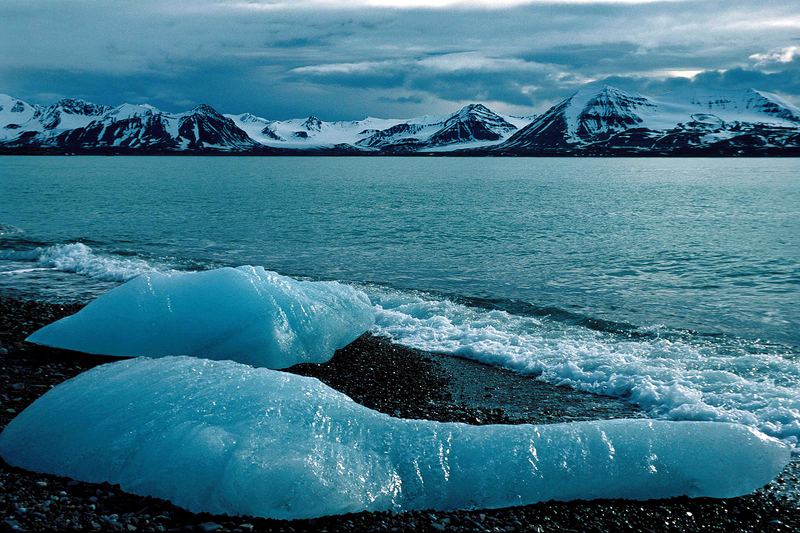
[(704, 252), (708, 245)]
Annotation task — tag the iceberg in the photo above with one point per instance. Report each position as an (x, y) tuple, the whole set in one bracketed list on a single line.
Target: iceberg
[(223, 437), (244, 314)]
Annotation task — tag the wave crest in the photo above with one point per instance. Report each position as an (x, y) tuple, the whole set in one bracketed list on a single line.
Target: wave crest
[(80, 259), (675, 377)]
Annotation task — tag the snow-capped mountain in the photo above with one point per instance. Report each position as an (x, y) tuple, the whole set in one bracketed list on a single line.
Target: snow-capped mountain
[(22, 120), (310, 132), (596, 120), (14, 111), (76, 124), (473, 125), (608, 120)]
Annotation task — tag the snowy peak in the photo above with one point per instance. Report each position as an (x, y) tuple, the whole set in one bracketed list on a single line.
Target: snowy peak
[(589, 114), (77, 106), (548, 130), (608, 110), (604, 119), (14, 113), (129, 111), (205, 110), (203, 127), (595, 114), (748, 104), (70, 113), (312, 123), (598, 119), (74, 123), (472, 110), (399, 135), (472, 123), (257, 128), (11, 106), (773, 105), (308, 133), (248, 118)]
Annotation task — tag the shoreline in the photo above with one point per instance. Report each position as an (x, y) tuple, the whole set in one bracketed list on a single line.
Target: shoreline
[(389, 378)]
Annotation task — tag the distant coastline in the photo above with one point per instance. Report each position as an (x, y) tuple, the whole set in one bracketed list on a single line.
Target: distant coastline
[(783, 153), (596, 121)]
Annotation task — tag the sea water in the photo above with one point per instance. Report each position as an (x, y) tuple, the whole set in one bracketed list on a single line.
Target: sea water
[(673, 283)]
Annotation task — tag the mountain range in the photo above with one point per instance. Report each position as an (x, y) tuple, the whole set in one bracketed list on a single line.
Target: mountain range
[(596, 120)]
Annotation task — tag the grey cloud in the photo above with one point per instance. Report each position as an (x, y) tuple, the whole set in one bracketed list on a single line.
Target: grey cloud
[(291, 62)]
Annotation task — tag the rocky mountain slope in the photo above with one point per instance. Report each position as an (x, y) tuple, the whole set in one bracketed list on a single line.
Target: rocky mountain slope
[(596, 120), (606, 121), (75, 124)]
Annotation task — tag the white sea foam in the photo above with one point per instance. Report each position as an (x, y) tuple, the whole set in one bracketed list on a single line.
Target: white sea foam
[(23, 270), (228, 438), (681, 378), (81, 259), (677, 377)]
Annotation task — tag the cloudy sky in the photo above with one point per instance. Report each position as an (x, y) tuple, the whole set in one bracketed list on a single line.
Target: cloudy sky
[(390, 58)]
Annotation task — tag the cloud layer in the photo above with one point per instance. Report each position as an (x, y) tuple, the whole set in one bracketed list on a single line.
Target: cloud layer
[(389, 58)]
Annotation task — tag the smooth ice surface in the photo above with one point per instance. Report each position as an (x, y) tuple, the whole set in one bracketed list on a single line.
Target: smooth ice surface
[(228, 438), (245, 314)]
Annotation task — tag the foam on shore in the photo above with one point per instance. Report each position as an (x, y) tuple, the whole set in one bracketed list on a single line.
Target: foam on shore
[(676, 377)]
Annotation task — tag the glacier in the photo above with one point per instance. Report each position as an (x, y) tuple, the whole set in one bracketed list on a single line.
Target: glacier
[(223, 437), (246, 314)]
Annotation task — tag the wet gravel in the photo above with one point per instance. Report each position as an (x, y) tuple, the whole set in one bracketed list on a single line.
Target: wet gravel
[(383, 376)]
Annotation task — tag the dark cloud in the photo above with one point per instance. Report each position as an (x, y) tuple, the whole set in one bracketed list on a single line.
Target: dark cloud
[(412, 99), (308, 57), (785, 81)]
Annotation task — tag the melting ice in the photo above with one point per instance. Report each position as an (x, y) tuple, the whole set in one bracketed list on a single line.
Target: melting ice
[(228, 438), (257, 317), (246, 314)]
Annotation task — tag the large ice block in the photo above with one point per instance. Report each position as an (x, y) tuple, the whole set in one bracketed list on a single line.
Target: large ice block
[(228, 438), (244, 314)]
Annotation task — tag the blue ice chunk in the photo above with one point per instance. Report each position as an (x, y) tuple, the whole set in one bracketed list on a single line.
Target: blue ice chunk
[(228, 438), (245, 314)]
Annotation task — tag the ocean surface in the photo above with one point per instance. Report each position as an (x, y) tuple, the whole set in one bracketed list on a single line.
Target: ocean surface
[(672, 283)]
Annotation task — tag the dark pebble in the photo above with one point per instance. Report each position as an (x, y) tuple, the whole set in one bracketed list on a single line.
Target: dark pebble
[(387, 378)]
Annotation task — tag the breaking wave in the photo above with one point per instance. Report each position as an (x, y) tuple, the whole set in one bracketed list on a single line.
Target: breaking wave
[(79, 258), (7, 230), (669, 374)]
